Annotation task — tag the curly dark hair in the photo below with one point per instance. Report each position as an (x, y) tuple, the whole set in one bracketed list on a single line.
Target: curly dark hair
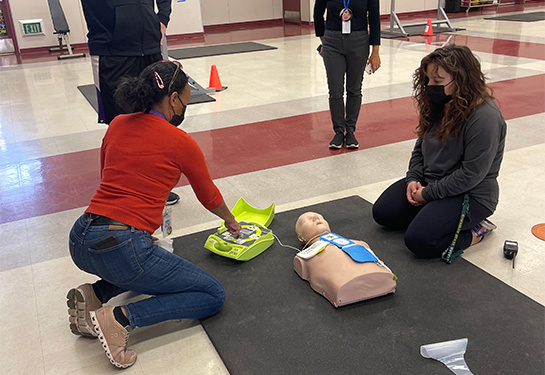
[(135, 94), (469, 84)]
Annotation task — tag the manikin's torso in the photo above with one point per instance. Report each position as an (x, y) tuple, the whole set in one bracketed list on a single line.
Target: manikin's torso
[(341, 280)]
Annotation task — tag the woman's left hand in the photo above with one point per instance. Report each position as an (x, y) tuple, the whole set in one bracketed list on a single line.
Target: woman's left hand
[(374, 59), (417, 195)]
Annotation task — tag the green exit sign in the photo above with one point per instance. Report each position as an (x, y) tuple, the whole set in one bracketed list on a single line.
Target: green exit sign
[(32, 27)]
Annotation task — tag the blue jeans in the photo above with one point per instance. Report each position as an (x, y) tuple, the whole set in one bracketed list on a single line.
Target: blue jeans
[(179, 288)]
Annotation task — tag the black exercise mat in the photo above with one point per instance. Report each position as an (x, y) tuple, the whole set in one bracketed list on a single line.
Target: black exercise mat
[(220, 49), (89, 92), (274, 323), (414, 30), (520, 17)]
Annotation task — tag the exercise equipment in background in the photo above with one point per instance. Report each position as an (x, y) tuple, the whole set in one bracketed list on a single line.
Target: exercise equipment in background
[(62, 30), (401, 29)]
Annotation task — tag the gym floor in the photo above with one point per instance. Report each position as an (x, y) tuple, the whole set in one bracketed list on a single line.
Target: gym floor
[(265, 139)]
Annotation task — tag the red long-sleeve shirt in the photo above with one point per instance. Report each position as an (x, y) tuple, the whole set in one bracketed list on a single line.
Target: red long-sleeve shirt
[(142, 158)]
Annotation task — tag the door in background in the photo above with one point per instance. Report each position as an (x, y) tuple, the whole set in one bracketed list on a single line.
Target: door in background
[(6, 30)]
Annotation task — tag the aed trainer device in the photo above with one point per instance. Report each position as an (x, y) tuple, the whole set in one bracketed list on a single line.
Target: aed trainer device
[(510, 250), (254, 239)]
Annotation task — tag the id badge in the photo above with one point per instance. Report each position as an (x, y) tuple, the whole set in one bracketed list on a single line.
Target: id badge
[(346, 27), (166, 226)]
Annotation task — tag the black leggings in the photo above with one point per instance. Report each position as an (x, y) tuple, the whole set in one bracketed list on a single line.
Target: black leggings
[(429, 228)]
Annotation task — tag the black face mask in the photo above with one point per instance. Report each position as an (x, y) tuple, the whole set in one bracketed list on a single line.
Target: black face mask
[(437, 96), (176, 120)]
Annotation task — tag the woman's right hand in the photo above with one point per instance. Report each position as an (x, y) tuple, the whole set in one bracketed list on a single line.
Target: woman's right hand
[(233, 227), (412, 187), (231, 223)]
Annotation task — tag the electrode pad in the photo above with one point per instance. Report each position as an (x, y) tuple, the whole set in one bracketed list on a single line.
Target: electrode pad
[(359, 253)]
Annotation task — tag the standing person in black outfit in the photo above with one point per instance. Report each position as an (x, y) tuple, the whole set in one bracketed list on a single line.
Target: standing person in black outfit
[(126, 36), (456, 158), (351, 26)]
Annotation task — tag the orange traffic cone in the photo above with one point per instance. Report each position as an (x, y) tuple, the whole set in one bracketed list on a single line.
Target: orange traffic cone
[(428, 42), (215, 82), (429, 28)]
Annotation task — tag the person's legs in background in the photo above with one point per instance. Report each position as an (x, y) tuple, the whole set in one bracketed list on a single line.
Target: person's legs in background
[(96, 79), (335, 66), (111, 70), (356, 57)]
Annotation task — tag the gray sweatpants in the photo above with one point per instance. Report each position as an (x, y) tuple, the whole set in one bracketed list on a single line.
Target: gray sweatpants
[(345, 55)]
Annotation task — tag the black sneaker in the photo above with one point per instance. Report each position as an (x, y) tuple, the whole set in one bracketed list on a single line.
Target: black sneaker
[(173, 198), (351, 141), (337, 141)]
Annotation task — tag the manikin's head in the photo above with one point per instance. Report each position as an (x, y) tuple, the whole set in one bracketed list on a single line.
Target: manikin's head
[(310, 226)]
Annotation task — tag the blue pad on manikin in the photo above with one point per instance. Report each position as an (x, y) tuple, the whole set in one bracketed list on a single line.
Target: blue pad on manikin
[(358, 253)]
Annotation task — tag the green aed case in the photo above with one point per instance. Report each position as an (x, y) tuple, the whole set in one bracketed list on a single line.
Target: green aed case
[(255, 237)]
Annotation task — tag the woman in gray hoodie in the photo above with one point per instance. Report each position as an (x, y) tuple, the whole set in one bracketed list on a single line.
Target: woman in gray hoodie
[(456, 159)]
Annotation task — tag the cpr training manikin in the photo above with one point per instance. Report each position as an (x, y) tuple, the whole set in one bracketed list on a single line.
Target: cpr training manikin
[(342, 270)]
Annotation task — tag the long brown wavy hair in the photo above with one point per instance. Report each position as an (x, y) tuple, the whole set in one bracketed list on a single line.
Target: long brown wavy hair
[(469, 84)]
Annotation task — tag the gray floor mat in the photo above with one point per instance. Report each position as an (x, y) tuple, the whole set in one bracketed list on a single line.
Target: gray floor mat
[(220, 49), (521, 17), (89, 92)]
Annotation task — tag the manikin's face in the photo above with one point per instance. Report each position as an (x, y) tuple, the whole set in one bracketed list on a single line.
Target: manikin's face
[(309, 225)]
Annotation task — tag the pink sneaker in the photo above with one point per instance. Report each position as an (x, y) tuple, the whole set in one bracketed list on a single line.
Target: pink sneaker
[(113, 337), (81, 301)]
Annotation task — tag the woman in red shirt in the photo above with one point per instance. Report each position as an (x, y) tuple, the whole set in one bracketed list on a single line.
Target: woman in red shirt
[(142, 157)]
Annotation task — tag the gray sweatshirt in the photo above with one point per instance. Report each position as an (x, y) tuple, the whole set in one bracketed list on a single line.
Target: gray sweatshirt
[(468, 163)]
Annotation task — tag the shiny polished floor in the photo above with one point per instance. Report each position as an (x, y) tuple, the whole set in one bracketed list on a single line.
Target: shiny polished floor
[(265, 139)]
